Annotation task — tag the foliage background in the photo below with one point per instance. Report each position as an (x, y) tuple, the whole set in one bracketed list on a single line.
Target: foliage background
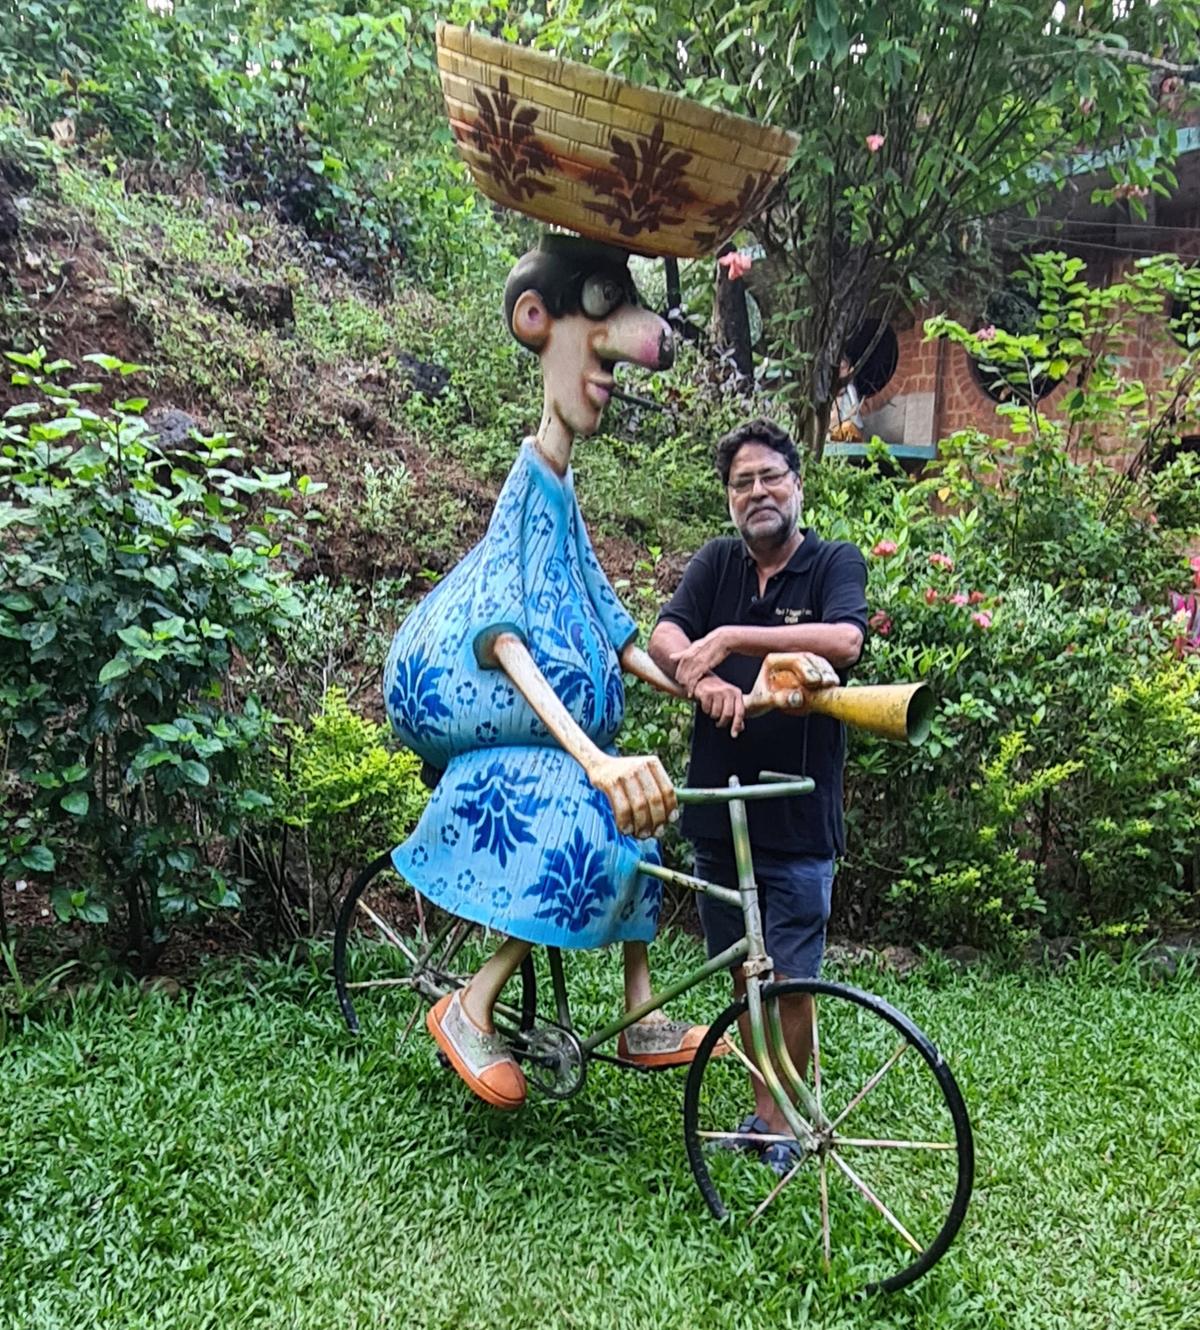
[(260, 205)]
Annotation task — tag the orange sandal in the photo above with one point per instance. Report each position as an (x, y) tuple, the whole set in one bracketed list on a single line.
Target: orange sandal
[(482, 1059), (664, 1043)]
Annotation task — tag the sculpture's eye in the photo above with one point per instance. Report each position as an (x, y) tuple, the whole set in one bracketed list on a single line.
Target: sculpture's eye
[(601, 295)]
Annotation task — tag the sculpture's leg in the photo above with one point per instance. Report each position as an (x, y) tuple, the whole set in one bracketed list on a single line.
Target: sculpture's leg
[(461, 1022), (637, 974), (483, 988), (655, 1041)]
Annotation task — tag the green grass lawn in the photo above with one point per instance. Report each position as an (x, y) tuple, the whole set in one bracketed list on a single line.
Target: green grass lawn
[(232, 1158)]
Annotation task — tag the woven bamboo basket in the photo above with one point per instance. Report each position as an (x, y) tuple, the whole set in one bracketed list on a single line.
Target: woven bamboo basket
[(650, 171)]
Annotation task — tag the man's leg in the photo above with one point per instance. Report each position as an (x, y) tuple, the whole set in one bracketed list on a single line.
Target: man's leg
[(797, 893), (795, 1014)]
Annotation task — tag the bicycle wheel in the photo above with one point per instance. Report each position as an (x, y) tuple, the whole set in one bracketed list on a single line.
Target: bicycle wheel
[(386, 940), (877, 1193)]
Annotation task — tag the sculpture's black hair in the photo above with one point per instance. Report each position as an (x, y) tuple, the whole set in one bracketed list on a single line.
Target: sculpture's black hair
[(557, 270)]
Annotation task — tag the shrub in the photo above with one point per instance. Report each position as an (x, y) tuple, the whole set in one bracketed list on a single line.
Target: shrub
[(136, 585), (348, 796)]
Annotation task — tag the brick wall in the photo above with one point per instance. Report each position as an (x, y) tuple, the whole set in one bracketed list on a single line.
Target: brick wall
[(959, 400)]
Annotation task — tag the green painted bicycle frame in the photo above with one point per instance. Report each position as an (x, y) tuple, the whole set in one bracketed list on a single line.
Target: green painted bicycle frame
[(766, 1028)]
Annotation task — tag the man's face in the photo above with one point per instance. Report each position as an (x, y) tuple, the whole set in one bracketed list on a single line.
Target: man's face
[(764, 496)]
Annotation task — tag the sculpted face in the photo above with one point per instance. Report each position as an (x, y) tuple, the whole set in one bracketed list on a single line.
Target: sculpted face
[(599, 323)]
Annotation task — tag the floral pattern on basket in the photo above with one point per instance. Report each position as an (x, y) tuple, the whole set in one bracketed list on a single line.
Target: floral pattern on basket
[(506, 134), (644, 184), (750, 203)]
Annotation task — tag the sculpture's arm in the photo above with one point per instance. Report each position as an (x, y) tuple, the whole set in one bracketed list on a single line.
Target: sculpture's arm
[(642, 666), (638, 788)]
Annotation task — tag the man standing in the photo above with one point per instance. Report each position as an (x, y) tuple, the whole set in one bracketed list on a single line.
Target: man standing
[(780, 587)]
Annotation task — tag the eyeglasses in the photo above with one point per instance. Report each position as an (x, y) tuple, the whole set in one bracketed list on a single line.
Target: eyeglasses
[(772, 480)]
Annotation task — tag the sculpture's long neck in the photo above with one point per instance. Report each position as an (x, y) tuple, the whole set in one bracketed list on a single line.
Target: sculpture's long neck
[(554, 437)]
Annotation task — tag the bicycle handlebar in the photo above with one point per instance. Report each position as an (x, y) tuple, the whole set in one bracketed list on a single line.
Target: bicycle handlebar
[(774, 785)]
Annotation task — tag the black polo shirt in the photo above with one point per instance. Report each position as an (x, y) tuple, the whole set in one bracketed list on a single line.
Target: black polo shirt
[(824, 582)]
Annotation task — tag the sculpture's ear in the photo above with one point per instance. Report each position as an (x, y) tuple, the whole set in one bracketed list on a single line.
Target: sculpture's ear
[(531, 320)]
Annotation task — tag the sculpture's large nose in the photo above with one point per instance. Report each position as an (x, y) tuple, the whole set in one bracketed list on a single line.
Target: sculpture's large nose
[(639, 336)]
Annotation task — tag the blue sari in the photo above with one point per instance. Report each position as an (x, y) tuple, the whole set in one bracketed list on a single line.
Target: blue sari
[(514, 837)]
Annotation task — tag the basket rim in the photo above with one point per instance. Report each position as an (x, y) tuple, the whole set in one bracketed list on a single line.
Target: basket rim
[(492, 50)]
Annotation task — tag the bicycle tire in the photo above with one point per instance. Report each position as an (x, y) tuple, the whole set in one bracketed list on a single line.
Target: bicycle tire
[(914, 1037)]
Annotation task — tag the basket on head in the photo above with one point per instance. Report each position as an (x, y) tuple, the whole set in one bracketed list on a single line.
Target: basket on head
[(650, 171)]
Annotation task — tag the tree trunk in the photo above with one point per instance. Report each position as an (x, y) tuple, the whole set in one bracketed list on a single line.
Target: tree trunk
[(733, 322)]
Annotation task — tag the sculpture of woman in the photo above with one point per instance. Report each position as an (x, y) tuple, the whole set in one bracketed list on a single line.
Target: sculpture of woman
[(507, 678)]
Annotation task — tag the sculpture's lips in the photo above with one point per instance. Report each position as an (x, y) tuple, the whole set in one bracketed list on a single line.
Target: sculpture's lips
[(599, 389)]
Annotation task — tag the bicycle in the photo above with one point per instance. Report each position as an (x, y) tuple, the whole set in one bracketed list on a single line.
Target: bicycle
[(909, 1116)]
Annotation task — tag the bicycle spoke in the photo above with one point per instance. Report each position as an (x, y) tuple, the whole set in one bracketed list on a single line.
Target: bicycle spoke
[(382, 983), (877, 1203), (778, 1187), (826, 1243), (761, 1137), (750, 1067), (387, 931), (895, 1145), (412, 1020), (870, 1085)]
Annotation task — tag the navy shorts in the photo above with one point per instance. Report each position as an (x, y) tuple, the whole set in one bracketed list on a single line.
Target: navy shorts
[(794, 894)]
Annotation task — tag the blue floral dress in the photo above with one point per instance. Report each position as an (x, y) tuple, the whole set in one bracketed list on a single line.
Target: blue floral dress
[(514, 837)]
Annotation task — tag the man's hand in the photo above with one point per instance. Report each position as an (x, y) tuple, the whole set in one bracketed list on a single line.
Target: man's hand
[(639, 790), (723, 703), (701, 658)]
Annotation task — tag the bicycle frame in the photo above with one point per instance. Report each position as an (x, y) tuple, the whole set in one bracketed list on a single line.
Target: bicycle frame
[(767, 1037)]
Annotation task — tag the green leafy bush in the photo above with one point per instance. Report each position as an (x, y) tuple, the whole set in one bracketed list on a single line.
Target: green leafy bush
[(136, 585), (347, 796), (332, 115)]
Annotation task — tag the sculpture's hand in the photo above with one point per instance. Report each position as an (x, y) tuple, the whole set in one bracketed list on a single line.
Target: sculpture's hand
[(639, 790), (786, 680)]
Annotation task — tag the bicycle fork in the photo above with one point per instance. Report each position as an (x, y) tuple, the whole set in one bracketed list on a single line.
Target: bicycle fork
[(766, 1028)]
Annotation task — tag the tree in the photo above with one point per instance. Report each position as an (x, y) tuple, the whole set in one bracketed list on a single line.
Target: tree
[(918, 121)]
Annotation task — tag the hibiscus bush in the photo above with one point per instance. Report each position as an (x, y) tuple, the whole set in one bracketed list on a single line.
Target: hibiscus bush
[(1048, 598)]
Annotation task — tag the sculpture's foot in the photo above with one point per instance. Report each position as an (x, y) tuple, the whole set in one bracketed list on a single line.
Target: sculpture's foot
[(481, 1059), (664, 1043)]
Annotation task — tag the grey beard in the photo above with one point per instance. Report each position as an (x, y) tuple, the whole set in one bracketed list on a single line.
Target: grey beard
[(766, 541)]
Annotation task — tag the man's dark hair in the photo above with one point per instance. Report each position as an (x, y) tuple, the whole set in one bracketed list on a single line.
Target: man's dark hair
[(557, 270), (761, 431)]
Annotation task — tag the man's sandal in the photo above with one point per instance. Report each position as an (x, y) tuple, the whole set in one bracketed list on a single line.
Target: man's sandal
[(664, 1043), (483, 1060)]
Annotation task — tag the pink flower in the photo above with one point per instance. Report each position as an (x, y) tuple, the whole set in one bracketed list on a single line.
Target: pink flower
[(880, 623), (958, 598), (976, 598), (736, 264), (931, 596), (884, 549), (987, 334), (942, 561), (982, 618), (875, 142), (1194, 563)]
